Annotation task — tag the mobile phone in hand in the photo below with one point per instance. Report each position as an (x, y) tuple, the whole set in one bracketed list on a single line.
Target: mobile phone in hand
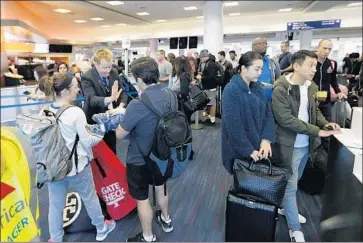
[(26, 92)]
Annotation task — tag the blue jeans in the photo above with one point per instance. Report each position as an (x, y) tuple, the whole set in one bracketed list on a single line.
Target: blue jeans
[(84, 185), (299, 159)]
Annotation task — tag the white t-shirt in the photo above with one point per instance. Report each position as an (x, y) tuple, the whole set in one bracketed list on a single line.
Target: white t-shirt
[(302, 140), (72, 122)]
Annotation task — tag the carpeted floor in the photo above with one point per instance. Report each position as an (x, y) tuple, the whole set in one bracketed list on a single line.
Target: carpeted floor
[(197, 201)]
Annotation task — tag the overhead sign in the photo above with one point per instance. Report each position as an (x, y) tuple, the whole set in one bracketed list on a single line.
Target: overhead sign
[(318, 24)]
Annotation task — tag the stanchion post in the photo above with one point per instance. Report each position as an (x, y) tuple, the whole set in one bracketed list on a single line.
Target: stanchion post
[(196, 125)]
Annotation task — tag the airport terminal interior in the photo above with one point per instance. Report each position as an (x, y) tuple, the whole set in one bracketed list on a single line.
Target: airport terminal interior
[(101, 57)]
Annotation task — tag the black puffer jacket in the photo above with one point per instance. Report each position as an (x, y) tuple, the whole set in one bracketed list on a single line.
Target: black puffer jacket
[(326, 75), (209, 74)]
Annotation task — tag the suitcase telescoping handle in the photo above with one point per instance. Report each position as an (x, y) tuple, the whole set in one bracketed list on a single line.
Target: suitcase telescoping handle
[(269, 161)]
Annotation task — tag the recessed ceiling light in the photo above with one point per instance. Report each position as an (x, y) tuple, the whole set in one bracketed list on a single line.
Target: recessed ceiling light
[(161, 20), (234, 14), (285, 10), (231, 4), (200, 17), (143, 13), (354, 4), (190, 8), (97, 19), (105, 26), (80, 21), (114, 3), (121, 24), (62, 10)]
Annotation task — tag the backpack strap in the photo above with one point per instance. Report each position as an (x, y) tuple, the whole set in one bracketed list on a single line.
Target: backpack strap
[(61, 110), (147, 101), (74, 148)]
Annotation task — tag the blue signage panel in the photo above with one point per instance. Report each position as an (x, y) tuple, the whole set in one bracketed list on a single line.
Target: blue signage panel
[(319, 24)]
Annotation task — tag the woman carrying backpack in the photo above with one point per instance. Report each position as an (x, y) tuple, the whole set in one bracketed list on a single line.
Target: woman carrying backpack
[(181, 82), (73, 122)]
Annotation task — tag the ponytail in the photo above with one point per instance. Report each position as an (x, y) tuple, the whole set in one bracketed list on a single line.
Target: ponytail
[(46, 85), (53, 86)]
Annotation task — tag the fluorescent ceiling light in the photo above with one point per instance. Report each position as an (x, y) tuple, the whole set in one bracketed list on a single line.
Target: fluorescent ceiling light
[(97, 19), (143, 13), (354, 4), (121, 24), (190, 8), (234, 14), (200, 17), (114, 3), (231, 4), (80, 21), (62, 10), (161, 20), (105, 26), (285, 10)]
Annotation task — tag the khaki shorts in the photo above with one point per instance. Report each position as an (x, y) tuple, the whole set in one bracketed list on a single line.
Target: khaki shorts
[(212, 93)]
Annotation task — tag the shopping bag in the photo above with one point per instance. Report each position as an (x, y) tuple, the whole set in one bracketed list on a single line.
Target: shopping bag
[(109, 175)]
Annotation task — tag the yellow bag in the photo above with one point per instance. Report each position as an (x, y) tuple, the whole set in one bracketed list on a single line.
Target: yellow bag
[(19, 201)]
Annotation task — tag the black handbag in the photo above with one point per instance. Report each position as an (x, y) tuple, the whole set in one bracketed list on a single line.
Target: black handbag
[(197, 99), (266, 182)]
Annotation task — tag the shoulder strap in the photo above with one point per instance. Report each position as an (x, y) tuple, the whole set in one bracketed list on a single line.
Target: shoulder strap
[(147, 101), (61, 110)]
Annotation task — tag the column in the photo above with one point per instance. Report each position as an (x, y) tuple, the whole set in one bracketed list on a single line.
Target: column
[(153, 47), (213, 26), (306, 37)]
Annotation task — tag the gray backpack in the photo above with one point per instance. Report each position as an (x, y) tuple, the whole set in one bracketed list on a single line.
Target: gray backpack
[(54, 160)]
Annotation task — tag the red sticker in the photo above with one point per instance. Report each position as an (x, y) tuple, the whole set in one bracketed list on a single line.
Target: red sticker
[(5, 190)]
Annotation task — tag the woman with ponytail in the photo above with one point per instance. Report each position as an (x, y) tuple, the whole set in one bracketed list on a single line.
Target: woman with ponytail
[(247, 123), (64, 88)]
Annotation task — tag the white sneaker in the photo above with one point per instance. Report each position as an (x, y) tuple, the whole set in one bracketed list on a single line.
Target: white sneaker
[(108, 228), (302, 219), (296, 236)]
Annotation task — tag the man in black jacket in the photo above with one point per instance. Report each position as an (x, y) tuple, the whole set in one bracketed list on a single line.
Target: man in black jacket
[(101, 89), (353, 72), (208, 72), (326, 76)]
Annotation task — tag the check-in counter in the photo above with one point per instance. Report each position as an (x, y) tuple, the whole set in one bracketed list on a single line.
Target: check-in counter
[(341, 218)]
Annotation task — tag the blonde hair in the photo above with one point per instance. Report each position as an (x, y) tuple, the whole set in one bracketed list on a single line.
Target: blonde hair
[(103, 53)]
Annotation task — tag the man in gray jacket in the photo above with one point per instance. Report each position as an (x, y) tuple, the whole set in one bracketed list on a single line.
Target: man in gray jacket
[(270, 70)]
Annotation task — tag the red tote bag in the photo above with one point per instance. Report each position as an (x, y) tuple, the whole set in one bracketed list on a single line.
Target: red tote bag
[(109, 175)]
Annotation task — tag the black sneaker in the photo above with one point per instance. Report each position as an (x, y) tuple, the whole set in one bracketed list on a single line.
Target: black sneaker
[(209, 122), (139, 238), (167, 227)]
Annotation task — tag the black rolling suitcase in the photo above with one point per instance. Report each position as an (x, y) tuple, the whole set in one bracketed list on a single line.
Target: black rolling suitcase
[(248, 220)]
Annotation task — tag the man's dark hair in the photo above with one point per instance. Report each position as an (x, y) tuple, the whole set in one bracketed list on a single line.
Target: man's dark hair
[(222, 53), (232, 51), (145, 68), (300, 56)]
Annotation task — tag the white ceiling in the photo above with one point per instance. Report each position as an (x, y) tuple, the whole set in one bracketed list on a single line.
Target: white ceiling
[(63, 26), (163, 10)]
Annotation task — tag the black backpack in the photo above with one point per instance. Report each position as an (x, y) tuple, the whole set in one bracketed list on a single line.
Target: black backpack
[(169, 155)]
